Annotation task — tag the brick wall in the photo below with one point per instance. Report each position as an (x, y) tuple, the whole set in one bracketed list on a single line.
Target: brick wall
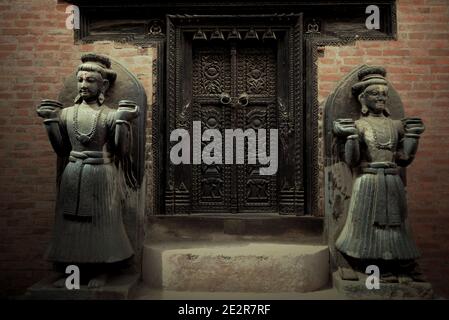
[(37, 52), (418, 66)]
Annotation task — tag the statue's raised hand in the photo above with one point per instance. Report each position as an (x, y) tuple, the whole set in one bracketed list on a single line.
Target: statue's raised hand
[(127, 110), (49, 109), (413, 125), (345, 127)]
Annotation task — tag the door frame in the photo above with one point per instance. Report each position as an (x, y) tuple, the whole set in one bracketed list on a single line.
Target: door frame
[(294, 110)]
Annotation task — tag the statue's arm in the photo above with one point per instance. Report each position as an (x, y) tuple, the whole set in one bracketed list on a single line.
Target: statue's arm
[(124, 115), (352, 150), (410, 130), (346, 129), (54, 120), (122, 137)]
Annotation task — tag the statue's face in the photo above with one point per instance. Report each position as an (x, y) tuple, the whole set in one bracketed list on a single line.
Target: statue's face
[(90, 85), (375, 98)]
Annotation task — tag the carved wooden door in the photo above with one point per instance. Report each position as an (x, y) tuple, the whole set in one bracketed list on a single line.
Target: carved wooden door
[(236, 73), (234, 87)]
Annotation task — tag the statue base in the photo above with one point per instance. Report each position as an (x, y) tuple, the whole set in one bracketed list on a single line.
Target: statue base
[(117, 287), (397, 291)]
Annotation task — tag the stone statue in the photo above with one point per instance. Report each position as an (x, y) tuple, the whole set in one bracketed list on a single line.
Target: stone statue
[(376, 147), (95, 138)]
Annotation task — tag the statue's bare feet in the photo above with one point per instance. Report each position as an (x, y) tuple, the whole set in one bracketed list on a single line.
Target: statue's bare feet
[(97, 282), (404, 279), (60, 282), (415, 273), (348, 274), (418, 277), (388, 277)]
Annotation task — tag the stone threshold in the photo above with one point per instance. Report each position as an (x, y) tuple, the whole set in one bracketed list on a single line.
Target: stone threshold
[(300, 229)]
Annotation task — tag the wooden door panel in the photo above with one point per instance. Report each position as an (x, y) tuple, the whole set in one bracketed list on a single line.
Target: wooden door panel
[(247, 73), (257, 78)]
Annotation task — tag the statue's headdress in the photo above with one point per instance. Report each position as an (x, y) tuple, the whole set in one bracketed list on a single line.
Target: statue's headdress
[(369, 76), (98, 63)]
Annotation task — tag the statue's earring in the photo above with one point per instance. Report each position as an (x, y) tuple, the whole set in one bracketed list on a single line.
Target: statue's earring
[(101, 98), (364, 110), (103, 89)]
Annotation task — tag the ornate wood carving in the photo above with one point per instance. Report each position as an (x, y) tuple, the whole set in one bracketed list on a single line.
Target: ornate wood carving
[(205, 66), (135, 21), (170, 195), (155, 155)]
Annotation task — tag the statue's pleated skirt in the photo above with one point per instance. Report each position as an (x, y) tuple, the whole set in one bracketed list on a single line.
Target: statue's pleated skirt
[(88, 223), (361, 237)]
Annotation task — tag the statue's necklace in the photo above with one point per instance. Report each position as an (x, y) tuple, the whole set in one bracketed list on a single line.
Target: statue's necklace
[(382, 145), (85, 137)]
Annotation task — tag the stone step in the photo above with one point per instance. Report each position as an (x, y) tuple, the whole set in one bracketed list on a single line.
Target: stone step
[(143, 292), (235, 267), (243, 227)]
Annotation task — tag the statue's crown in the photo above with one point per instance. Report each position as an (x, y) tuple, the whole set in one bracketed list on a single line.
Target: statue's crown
[(372, 72), (99, 63), (368, 76), (104, 61)]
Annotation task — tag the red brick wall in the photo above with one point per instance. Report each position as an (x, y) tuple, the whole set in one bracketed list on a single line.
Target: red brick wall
[(37, 52), (418, 67)]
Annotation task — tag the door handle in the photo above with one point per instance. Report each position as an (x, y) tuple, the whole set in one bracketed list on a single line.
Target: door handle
[(243, 99), (225, 98)]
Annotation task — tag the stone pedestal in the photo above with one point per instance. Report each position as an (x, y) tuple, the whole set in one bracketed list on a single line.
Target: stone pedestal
[(236, 267), (117, 287), (397, 291)]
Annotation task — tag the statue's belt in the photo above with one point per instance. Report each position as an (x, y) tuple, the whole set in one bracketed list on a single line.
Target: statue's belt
[(90, 157), (380, 168), (388, 207)]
